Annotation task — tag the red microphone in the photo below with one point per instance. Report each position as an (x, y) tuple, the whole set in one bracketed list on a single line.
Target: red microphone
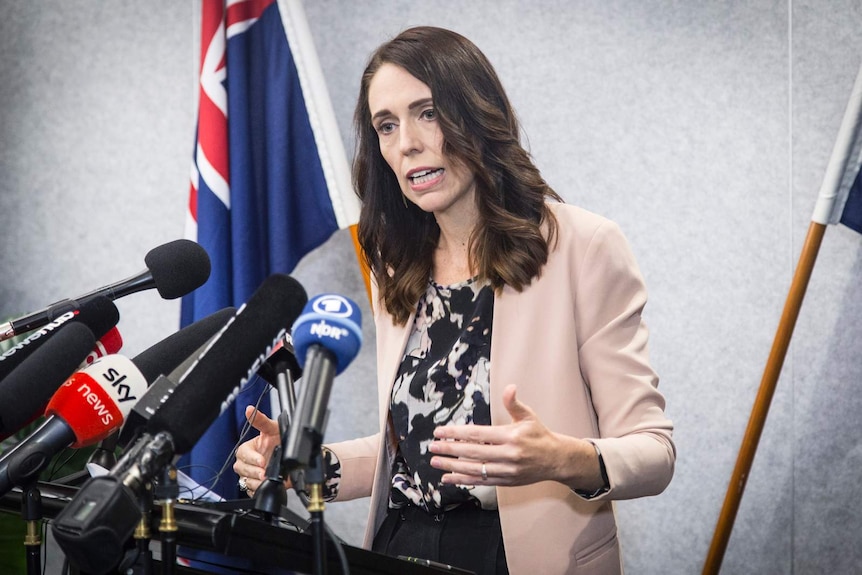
[(108, 344), (88, 407)]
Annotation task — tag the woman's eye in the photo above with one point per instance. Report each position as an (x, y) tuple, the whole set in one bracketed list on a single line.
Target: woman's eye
[(429, 114), (385, 127)]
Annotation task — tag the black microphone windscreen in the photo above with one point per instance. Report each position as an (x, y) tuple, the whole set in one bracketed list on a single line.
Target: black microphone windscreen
[(30, 385), (163, 357), (99, 314), (178, 267), (229, 361)]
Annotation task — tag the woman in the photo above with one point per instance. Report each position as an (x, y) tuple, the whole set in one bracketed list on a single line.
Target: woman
[(515, 391)]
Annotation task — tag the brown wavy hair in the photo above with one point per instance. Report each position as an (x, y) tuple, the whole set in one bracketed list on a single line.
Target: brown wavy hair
[(481, 131)]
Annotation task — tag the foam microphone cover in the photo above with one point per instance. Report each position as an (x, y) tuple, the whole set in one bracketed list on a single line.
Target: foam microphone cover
[(95, 401), (28, 388), (178, 267), (332, 321), (163, 357), (229, 361), (99, 313)]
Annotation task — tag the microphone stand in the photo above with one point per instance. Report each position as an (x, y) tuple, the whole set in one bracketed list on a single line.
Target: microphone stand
[(314, 481), (313, 476), (31, 512), (143, 564), (168, 490)]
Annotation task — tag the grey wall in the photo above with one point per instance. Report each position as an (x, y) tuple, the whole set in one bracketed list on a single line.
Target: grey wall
[(703, 128)]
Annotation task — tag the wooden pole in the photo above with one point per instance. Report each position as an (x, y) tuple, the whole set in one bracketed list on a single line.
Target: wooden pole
[(760, 410)]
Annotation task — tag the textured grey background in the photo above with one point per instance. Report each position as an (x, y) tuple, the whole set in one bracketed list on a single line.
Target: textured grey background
[(703, 128)]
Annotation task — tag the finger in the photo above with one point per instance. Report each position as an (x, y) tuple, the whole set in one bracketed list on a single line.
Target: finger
[(519, 411), (249, 462), (491, 434), (260, 421), (253, 485), (249, 471), (468, 450)]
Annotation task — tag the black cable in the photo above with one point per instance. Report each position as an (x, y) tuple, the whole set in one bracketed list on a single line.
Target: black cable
[(336, 542)]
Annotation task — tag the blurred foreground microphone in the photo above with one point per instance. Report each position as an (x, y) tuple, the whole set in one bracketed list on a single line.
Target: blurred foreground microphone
[(326, 338), (93, 527), (164, 358), (25, 391), (174, 269), (85, 409), (158, 359)]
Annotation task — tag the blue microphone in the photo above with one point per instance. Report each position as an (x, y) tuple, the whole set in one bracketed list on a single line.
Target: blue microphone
[(326, 338)]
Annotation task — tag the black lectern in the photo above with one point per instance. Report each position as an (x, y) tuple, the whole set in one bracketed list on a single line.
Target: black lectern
[(240, 535)]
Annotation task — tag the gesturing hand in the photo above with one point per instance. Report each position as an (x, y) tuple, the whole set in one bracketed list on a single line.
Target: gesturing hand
[(519, 453), (253, 455)]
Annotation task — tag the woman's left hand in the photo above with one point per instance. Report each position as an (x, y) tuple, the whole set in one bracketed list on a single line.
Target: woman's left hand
[(519, 453)]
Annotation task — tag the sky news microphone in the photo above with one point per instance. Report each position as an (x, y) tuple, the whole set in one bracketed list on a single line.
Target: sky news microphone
[(326, 338), (174, 269), (96, 523), (99, 314), (85, 409)]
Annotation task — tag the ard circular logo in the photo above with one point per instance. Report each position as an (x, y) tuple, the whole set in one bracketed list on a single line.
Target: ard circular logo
[(333, 306)]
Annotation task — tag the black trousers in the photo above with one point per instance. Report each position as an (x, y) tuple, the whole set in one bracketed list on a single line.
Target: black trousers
[(467, 537)]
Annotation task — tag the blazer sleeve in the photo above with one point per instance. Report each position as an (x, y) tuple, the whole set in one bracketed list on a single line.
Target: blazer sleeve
[(358, 459), (635, 436)]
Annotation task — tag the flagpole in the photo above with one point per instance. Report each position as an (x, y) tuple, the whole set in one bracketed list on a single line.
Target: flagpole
[(839, 176), (762, 402)]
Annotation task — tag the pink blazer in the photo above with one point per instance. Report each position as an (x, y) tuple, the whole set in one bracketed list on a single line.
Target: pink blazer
[(576, 346)]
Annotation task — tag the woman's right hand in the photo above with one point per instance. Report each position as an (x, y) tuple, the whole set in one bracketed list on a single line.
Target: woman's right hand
[(253, 455)]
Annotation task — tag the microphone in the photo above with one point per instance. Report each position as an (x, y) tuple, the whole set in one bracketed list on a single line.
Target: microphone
[(174, 269), (93, 527), (229, 361), (283, 356), (26, 390), (99, 314), (326, 337), (108, 344), (165, 358), (85, 409), (160, 358)]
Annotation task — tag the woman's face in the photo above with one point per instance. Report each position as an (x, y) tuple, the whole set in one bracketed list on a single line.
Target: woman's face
[(411, 142)]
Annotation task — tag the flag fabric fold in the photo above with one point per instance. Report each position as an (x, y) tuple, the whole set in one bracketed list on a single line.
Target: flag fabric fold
[(840, 197), (269, 181)]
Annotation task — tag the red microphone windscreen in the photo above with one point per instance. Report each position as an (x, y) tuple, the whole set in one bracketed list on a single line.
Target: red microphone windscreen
[(96, 400), (108, 344)]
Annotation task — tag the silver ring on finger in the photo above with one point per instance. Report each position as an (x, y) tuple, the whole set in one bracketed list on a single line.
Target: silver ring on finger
[(243, 485), (484, 472)]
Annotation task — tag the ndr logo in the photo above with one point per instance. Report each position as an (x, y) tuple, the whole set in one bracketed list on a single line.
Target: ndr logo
[(323, 329), (333, 305)]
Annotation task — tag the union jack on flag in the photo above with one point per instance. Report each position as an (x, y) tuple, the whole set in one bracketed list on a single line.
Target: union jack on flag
[(270, 179)]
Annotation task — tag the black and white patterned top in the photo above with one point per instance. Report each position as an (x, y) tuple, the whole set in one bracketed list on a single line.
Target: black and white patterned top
[(443, 379)]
